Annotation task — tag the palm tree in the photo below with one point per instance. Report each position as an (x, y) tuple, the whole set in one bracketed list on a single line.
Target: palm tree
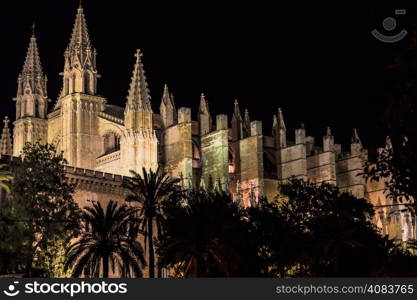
[(108, 239), (5, 177), (149, 190), (205, 235)]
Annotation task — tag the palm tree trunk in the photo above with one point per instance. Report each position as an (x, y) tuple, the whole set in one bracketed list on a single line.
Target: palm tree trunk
[(151, 251), (105, 267)]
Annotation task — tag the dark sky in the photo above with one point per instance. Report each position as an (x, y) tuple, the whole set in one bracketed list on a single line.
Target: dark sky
[(318, 62)]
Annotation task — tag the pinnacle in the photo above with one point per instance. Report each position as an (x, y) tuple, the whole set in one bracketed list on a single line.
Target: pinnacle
[(6, 140), (236, 110), (32, 65), (167, 98), (328, 131), (280, 119), (204, 108), (138, 91), (355, 137), (6, 122), (80, 37)]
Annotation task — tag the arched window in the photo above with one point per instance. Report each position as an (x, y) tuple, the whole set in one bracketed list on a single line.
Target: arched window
[(111, 143), (87, 83), (66, 86), (196, 156), (74, 78)]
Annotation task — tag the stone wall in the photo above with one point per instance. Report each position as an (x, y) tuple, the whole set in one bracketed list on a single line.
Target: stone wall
[(215, 158)]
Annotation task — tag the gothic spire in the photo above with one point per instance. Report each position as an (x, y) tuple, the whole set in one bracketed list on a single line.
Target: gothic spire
[(204, 117), (32, 73), (237, 130), (328, 131), (6, 140), (80, 72), (80, 40), (203, 108), (274, 125), (246, 124), (167, 98), (167, 108), (138, 92), (279, 130), (280, 120), (236, 111), (31, 97), (32, 65), (355, 137)]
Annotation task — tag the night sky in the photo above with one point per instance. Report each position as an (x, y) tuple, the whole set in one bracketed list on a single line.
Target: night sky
[(318, 62)]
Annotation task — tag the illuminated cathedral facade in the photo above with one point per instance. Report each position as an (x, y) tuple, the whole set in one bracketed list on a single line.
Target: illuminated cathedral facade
[(103, 142)]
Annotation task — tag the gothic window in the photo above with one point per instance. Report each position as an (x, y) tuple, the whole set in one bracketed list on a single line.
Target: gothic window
[(66, 86), (74, 77), (37, 109), (111, 143), (87, 83), (196, 156)]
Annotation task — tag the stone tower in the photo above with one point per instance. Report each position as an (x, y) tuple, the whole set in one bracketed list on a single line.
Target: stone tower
[(139, 142), (78, 103), (31, 102), (167, 109), (6, 139), (80, 73), (204, 117)]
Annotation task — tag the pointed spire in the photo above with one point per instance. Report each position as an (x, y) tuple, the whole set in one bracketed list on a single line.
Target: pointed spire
[(328, 141), (204, 107), (172, 99), (246, 124), (204, 117), (6, 140), (167, 98), (237, 130), (32, 66), (328, 131), (31, 81), (167, 108), (355, 137), (280, 123), (279, 131), (236, 110), (80, 73), (247, 118), (80, 39), (138, 92), (274, 125)]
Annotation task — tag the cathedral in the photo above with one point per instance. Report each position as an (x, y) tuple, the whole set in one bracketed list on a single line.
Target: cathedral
[(103, 142)]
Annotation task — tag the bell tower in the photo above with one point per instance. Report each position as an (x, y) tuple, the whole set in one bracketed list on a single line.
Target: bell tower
[(139, 144), (31, 101), (78, 103)]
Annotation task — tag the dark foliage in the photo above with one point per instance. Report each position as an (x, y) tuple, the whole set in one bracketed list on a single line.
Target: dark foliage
[(149, 190), (108, 242)]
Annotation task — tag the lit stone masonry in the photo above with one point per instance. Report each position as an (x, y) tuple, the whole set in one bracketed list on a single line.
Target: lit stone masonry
[(103, 142)]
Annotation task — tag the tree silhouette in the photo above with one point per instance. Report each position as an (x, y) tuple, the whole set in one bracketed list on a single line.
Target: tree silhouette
[(41, 199), (204, 235), (340, 239), (149, 190), (108, 241)]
